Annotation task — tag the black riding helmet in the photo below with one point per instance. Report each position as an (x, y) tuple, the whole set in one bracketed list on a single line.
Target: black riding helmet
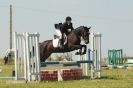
[(68, 18)]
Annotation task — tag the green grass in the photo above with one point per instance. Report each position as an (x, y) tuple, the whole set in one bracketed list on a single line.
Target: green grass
[(115, 78), (6, 69)]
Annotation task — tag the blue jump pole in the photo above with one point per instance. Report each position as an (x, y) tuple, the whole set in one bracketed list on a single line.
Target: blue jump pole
[(65, 63)]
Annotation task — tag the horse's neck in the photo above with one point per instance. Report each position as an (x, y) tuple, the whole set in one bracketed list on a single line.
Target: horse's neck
[(78, 32)]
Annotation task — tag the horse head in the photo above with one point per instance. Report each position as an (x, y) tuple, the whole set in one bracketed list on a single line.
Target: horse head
[(85, 34)]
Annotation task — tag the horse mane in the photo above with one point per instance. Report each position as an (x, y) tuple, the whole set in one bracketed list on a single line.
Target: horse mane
[(79, 27)]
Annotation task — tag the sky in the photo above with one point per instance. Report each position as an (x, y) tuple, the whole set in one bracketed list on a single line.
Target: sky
[(112, 18)]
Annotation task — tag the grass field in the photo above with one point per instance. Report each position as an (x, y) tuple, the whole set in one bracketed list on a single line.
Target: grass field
[(116, 78)]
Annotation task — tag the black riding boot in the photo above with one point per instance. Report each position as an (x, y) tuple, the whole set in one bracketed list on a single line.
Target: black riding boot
[(61, 44)]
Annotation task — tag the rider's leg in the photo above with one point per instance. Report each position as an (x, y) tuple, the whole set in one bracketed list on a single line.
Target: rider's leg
[(62, 41)]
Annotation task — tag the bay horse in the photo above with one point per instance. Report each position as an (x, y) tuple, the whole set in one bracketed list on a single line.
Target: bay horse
[(73, 43)]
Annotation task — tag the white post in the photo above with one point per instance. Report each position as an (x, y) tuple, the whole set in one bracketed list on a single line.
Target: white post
[(86, 64), (96, 55), (81, 64), (38, 56), (15, 55), (25, 60), (28, 57), (92, 55), (99, 57)]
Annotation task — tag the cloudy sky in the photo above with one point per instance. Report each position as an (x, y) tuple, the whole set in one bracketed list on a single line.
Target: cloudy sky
[(113, 18)]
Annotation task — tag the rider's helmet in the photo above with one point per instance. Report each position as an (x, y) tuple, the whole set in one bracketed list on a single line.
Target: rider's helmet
[(68, 18)]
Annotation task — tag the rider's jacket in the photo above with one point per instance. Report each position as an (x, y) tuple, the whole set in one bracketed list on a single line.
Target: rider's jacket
[(66, 28)]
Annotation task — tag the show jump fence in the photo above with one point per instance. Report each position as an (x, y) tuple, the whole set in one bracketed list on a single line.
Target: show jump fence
[(27, 57)]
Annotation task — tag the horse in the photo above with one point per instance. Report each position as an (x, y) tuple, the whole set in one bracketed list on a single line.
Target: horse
[(73, 43)]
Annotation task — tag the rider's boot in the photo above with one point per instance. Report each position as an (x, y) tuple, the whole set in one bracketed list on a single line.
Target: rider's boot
[(61, 44)]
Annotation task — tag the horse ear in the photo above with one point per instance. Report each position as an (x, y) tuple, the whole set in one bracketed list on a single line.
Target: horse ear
[(89, 28)]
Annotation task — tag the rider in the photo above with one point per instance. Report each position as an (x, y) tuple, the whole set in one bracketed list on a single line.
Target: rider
[(66, 29), (67, 26)]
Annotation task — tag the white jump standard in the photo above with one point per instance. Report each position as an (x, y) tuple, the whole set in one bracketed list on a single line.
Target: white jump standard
[(26, 65), (95, 48)]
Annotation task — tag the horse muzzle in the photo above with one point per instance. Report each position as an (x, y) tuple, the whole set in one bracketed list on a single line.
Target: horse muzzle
[(86, 42)]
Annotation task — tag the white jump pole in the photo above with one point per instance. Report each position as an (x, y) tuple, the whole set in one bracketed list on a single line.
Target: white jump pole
[(15, 54), (99, 57), (28, 57), (84, 66), (92, 54), (37, 56)]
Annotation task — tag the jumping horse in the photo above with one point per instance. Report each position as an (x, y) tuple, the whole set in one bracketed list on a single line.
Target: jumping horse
[(73, 43)]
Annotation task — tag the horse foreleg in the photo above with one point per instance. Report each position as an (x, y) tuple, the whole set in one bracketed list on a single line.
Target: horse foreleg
[(75, 47), (79, 52), (85, 48), (80, 47)]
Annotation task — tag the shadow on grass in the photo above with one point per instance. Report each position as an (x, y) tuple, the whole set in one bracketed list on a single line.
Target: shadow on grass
[(103, 77), (108, 77)]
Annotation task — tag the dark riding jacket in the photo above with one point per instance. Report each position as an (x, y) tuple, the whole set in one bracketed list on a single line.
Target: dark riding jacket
[(66, 28)]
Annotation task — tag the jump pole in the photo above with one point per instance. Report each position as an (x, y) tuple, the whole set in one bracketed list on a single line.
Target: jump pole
[(84, 66)]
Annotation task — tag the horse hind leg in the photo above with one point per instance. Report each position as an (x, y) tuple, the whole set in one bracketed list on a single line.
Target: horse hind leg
[(45, 57)]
